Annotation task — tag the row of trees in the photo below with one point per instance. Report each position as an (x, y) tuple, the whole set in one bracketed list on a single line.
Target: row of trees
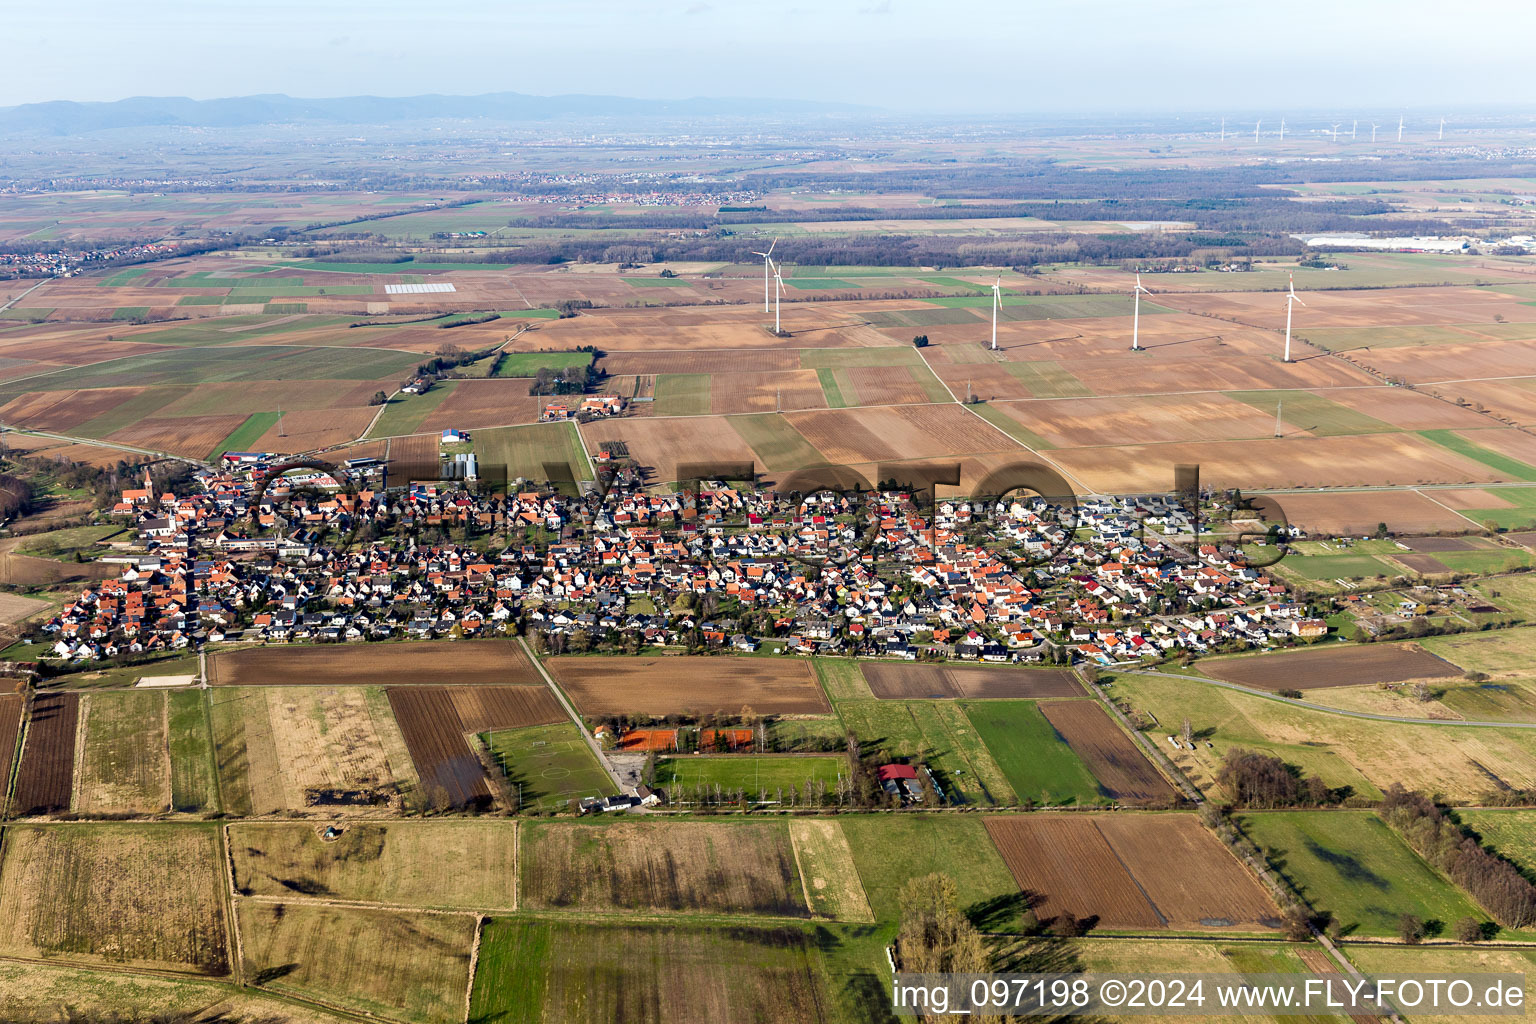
[(1262, 781), (1494, 882)]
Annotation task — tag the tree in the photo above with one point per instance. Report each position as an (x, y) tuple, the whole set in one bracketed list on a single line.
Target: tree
[(1410, 928), (1469, 929), (1382, 531), (379, 398), (934, 936), (921, 341)]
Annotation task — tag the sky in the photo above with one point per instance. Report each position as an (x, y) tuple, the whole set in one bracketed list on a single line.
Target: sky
[(977, 57)]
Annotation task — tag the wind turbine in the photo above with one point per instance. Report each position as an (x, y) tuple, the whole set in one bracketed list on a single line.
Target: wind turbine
[(1256, 130), (1352, 129), (1442, 130), (1290, 299), (1399, 127), (997, 301), (1374, 126), (777, 292), (1136, 314), (1336, 134), (1223, 131), (766, 261), (1282, 129)]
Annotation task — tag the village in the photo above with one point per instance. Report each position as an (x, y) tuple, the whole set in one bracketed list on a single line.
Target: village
[(334, 556)]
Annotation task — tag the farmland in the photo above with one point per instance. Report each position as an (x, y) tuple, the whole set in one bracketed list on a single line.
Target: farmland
[(1350, 864), (1347, 666), (676, 867), (399, 864), (1123, 771), (826, 864), (44, 779), (939, 735), (1130, 874), (897, 681), (450, 773), (119, 894), (543, 970), (11, 707), (665, 686), (1038, 763), (445, 662), (125, 764), (955, 845), (404, 966)]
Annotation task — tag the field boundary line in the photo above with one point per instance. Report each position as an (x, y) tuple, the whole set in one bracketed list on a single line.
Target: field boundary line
[(1448, 508), (794, 848), (474, 961), (24, 294), (77, 770), (393, 908), (517, 862), (1158, 758), (371, 423), (231, 925), (571, 710)]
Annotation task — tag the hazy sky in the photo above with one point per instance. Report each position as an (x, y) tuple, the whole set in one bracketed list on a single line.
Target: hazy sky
[(982, 56)]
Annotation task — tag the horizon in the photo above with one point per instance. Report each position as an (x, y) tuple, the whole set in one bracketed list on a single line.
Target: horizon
[(908, 58)]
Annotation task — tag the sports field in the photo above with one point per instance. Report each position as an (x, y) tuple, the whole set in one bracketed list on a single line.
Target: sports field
[(548, 766), (760, 776)]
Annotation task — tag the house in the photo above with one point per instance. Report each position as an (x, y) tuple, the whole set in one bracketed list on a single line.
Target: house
[(1309, 629), (900, 780), (451, 436), (602, 405)]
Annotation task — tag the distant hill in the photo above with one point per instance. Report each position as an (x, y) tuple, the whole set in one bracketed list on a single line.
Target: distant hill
[(65, 117)]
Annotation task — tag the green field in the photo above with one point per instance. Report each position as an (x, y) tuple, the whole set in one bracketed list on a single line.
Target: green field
[(842, 679), (404, 413), (1511, 832), (1053, 307), (194, 778), (1512, 469), (1036, 760), (595, 973), (937, 734), (776, 441), (536, 451), (830, 388), (760, 776), (226, 365), (1338, 339), (130, 312), (920, 317), (682, 394), (1046, 378), (244, 436), (890, 850), (656, 282), (547, 766), (1520, 514), (1349, 863), (822, 283), (1303, 410), (528, 364)]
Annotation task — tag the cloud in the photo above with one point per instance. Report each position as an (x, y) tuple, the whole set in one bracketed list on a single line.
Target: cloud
[(698, 8), (883, 7)]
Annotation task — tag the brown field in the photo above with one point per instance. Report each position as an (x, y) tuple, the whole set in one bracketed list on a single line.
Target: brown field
[(788, 390), (1369, 308), (899, 432), (73, 347), (122, 894), (483, 708), (11, 705), (192, 436), (1453, 363), (810, 325), (1422, 563), (1515, 400), (1064, 865), (716, 361), (885, 385), (893, 681), (1358, 512), (683, 685), (692, 867), (1191, 879), (400, 864), (1433, 544), (391, 964), (32, 571), (1346, 461), (124, 760), (1409, 410), (268, 396), (413, 450), (1333, 666), (451, 775), (14, 608), (1085, 422), (1123, 771), (63, 410), (484, 403), (433, 662), (318, 428), (46, 776), (1517, 444), (662, 445)]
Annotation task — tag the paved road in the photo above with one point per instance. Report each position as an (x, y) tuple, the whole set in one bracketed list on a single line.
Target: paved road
[(1325, 708)]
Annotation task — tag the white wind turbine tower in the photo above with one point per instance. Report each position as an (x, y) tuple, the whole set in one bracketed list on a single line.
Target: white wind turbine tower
[(1282, 129), (1136, 315), (766, 260), (1442, 130), (1256, 130), (997, 301), (1223, 131), (1399, 127), (1352, 129), (1374, 126), (1290, 299), (777, 292), (1336, 134)]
